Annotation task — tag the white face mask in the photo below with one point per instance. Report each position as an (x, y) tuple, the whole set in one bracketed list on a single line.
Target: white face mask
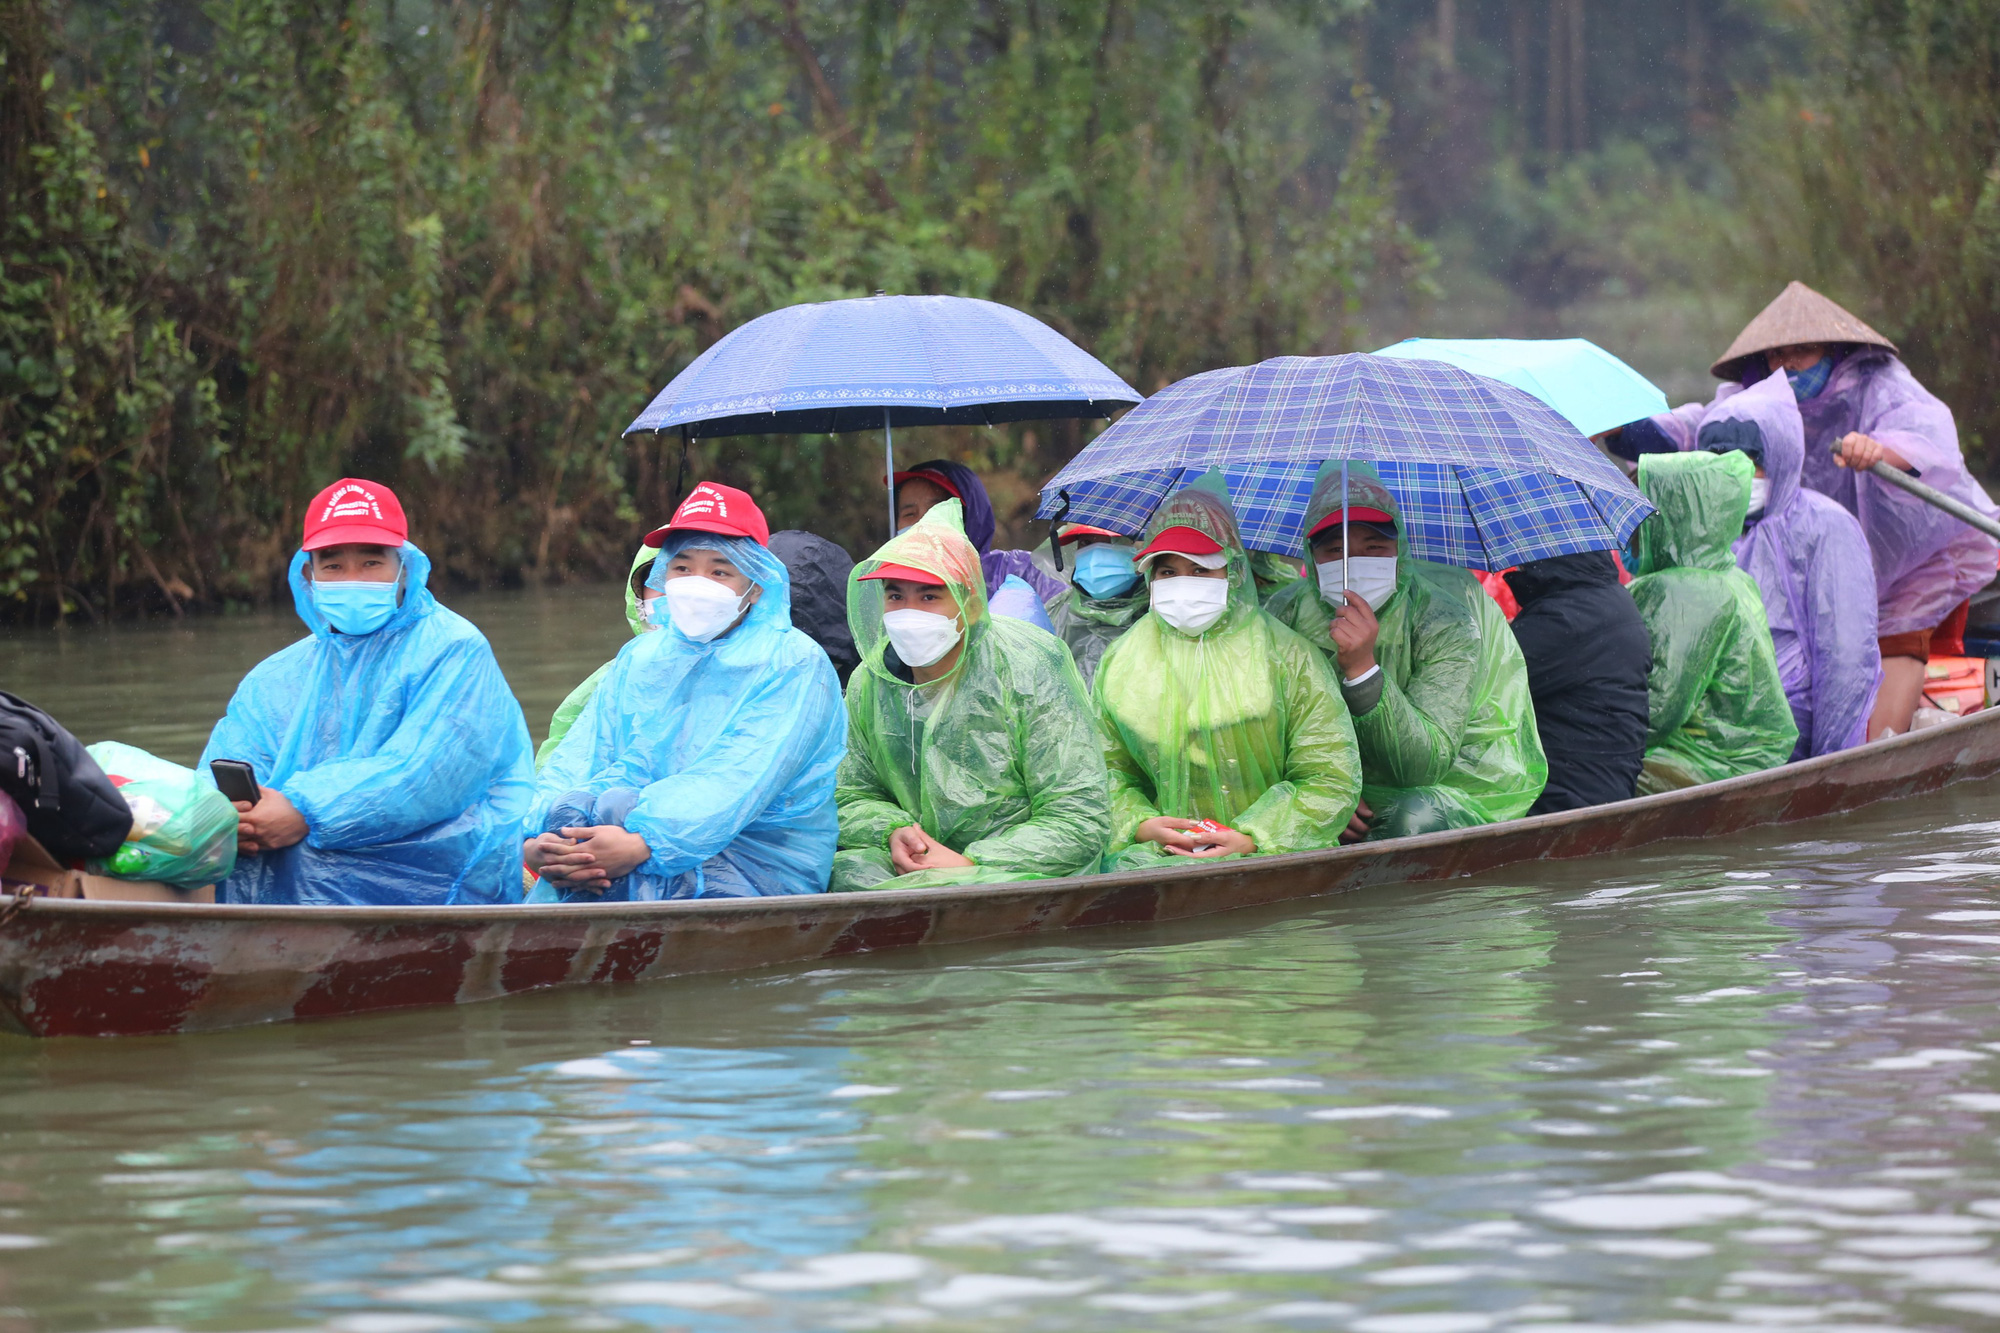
[(1760, 494), (700, 608), (1372, 578), (920, 638), (1190, 603)]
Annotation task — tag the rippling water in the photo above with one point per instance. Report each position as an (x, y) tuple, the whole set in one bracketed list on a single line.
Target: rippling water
[(1730, 1084)]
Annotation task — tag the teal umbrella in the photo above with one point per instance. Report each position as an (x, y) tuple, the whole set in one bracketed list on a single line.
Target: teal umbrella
[(1575, 376)]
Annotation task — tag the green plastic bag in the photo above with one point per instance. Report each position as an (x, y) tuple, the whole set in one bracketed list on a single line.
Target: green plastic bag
[(1452, 742), (183, 829), (1242, 723), (1717, 703), (998, 760)]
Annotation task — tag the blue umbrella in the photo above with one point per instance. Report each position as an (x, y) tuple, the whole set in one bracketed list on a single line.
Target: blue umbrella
[(880, 362), (1488, 477), (1575, 376)]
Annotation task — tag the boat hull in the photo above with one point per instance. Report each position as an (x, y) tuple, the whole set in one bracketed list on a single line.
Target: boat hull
[(82, 968)]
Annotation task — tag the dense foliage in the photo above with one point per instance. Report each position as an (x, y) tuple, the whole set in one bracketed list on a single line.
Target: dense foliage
[(457, 244)]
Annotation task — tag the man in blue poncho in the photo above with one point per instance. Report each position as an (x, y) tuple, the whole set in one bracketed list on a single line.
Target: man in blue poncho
[(703, 766), (393, 759)]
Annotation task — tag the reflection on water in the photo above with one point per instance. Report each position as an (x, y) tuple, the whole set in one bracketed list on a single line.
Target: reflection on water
[(1727, 1084), (161, 685)]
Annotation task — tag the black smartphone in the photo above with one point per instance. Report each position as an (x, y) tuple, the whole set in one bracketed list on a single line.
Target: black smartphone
[(234, 779)]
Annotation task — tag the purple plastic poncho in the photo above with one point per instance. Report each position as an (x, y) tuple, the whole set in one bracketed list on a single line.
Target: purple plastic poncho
[(1812, 566), (996, 565), (1926, 561)]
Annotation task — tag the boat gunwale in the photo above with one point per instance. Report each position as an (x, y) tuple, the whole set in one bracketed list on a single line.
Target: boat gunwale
[(1785, 775)]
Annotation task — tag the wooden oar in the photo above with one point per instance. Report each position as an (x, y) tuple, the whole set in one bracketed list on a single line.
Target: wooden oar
[(1931, 495)]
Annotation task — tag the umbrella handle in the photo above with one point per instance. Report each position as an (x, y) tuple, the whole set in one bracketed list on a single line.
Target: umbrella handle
[(889, 461), (680, 475), (1055, 528)]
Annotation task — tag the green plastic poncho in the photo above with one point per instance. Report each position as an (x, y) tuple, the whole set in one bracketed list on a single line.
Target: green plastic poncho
[(1451, 742), (1090, 625), (998, 760), (1242, 724), (571, 708), (1716, 700)]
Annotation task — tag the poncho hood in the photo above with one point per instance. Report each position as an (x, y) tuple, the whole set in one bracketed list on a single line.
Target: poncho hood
[(1771, 408), (1701, 499), (417, 600)]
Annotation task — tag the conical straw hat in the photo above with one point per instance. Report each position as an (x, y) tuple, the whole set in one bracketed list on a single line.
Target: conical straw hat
[(1799, 315)]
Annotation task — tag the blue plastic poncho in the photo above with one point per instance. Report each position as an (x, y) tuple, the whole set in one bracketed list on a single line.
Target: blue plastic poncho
[(731, 747), (1812, 565), (404, 749)]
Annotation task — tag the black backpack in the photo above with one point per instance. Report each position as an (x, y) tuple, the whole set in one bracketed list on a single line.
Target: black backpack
[(72, 808)]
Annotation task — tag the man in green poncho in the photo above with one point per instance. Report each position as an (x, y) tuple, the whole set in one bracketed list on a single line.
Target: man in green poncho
[(1106, 595), (1427, 665), (1716, 701), (1224, 732), (972, 754), (637, 598)]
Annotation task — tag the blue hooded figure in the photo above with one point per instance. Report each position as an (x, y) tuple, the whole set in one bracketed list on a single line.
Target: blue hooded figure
[(715, 741), (396, 737)]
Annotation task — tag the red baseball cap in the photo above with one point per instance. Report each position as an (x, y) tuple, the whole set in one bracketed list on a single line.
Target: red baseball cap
[(1180, 539), (1355, 514), (713, 507), (936, 479), (905, 574), (355, 510), (1072, 531)]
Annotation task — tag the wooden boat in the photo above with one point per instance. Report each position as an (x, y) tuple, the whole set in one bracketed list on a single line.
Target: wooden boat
[(72, 967)]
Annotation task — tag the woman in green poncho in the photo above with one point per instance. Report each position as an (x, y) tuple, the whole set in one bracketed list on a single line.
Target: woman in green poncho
[(637, 597), (972, 754), (1223, 730), (1428, 667), (1714, 695)]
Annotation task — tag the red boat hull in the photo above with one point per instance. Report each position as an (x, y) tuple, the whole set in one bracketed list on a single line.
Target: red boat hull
[(83, 968)]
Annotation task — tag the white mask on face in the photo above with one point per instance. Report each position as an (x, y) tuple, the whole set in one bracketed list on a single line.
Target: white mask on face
[(920, 638), (700, 607), (1760, 494), (1190, 603), (1372, 578)]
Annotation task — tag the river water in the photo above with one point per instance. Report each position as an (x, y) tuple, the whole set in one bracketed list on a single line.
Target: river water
[(1736, 1084)]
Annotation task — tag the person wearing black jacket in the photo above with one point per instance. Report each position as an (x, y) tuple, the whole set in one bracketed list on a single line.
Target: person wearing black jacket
[(1588, 656), (819, 571)]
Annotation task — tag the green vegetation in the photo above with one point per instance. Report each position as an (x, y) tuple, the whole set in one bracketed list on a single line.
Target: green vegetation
[(253, 244)]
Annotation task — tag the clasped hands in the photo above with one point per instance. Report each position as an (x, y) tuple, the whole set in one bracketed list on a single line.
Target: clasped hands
[(1202, 838), (911, 849), (587, 857)]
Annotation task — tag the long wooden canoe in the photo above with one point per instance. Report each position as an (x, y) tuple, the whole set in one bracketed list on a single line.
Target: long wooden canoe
[(72, 967)]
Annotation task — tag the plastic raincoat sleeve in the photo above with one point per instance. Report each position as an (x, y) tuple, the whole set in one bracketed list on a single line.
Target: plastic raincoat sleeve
[(571, 707), (1847, 663), (1412, 736), (566, 714), (772, 737), (437, 762), (868, 809), (1322, 776), (1062, 769)]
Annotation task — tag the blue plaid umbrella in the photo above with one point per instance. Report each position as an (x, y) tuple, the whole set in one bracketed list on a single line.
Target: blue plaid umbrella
[(1488, 476)]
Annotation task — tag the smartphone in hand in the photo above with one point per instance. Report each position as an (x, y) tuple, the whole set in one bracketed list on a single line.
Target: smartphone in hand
[(235, 779)]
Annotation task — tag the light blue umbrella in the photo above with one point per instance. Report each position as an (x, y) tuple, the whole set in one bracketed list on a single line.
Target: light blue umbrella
[(878, 362), (1575, 376)]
